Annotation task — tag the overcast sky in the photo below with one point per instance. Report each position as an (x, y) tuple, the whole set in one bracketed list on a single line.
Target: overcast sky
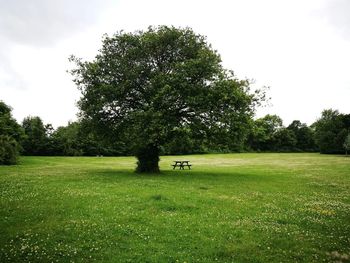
[(301, 49)]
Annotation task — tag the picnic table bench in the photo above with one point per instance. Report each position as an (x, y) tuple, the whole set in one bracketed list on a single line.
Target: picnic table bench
[(182, 165)]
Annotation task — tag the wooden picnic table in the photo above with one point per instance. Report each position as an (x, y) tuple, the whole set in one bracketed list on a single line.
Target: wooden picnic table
[(181, 165)]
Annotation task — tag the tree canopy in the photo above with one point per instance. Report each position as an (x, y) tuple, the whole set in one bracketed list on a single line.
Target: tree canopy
[(8, 125), (145, 87), (11, 135), (304, 136), (36, 137), (331, 130)]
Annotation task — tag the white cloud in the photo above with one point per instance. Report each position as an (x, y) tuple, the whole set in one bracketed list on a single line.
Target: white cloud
[(42, 22), (293, 46)]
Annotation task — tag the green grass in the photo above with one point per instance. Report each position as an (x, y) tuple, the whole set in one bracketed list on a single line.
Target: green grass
[(229, 208)]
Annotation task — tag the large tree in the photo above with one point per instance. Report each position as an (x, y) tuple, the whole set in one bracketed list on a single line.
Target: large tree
[(143, 87), (11, 134)]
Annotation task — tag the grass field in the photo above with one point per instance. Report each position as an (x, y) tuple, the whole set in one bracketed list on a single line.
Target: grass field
[(229, 208)]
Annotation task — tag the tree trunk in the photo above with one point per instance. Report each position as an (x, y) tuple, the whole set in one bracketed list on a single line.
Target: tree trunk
[(148, 159)]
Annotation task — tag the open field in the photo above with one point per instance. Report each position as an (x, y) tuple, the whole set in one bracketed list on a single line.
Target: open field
[(229, 208)]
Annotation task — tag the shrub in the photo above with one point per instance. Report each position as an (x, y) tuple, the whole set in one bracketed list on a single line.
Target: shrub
[(8, 150)]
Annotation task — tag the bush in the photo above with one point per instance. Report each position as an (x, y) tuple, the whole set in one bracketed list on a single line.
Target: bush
[(8, 150)]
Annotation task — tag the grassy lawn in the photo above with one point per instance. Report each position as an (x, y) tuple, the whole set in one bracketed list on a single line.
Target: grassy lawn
[(229, 208)]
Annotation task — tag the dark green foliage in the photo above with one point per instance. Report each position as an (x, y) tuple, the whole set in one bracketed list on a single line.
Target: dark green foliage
[(266, 134), (183, 142), (66, 140), (346, 144), (148, 159), (284, 140), (76, 139), (331, 130), (10, 134), (70, 140), (143, 87), (36, 140), (8, 150), (263, 131), (304, 136), (269, 134), (179, 145), (8, 125), (93, 143)]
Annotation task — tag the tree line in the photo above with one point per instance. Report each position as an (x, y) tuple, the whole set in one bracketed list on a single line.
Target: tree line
[(330, 134)]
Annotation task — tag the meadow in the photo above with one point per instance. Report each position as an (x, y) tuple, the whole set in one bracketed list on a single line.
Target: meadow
[(228, 208)]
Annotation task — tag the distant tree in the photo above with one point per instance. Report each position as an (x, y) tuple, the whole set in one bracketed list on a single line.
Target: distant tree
[(76, 139), (10, 134), (262, 136), (347, 144), (183, 142), (331, 130), (8, 150), (66, 140), (92, 143), (8, 125), (304, 135), (284, 140), (143, 87), (36, 136)]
